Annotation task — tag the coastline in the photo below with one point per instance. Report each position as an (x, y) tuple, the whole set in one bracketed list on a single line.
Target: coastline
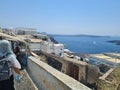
[(117, 42), (89, 45)]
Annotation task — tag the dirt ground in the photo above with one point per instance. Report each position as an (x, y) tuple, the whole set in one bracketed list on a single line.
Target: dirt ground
[(112, 82)]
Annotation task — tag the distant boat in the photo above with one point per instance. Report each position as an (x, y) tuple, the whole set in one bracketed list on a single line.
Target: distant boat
[(94, 42)]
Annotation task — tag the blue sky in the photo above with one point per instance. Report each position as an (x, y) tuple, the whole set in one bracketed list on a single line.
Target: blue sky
[(95, 17)]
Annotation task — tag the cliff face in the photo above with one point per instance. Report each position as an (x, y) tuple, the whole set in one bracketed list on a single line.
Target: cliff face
[(112, 82), (53, 40)]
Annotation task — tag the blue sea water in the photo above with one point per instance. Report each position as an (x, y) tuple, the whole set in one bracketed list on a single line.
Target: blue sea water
[(86, 44)]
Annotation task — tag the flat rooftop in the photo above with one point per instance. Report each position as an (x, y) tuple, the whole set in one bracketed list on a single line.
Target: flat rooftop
[(105, 57), (116, 54), (34, 40)]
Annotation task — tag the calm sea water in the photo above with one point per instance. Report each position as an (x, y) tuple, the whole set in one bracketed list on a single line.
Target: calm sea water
[(90, 45)]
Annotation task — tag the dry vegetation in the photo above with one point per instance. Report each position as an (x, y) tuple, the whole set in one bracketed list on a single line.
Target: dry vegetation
[(112, 82)]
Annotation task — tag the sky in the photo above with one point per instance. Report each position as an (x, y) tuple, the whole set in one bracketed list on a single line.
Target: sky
[(92, 17)]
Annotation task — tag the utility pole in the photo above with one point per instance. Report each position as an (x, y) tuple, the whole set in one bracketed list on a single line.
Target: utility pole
[(0, 30)]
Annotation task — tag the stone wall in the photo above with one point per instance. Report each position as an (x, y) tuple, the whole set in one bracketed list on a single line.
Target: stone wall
[(47, 78)]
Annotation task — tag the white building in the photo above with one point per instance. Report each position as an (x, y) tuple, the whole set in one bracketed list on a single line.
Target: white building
[(20, 30), (59, 49), (48, 47)]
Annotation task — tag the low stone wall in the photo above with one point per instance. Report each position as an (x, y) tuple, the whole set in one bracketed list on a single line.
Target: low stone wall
[(47, 78)]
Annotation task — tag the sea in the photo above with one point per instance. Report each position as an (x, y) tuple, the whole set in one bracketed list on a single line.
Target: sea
[(89, 44)]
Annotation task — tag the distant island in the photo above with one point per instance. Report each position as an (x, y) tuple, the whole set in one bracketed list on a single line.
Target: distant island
[(117, 42), (78, 35)]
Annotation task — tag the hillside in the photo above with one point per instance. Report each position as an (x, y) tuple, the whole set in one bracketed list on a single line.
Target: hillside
[(112, 82)]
